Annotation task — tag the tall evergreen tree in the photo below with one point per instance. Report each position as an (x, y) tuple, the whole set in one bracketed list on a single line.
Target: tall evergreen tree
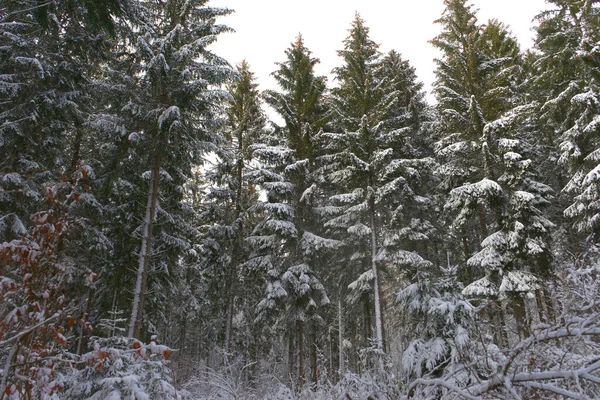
[(492, 185), (227, 214), (295, 292), (567, 82), (300, 103), (162, 99), (476, 82), (371, 168)]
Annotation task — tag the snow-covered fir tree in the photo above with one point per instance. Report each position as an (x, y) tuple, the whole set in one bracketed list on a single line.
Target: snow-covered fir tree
[(227, 217), (48, 54), (371, 166), (567, 83), (287, 247), (477, 77), (168, 98), (441, 335)]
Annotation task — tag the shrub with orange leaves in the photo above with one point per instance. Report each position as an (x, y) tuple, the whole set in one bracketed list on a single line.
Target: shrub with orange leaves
[(34, 307)]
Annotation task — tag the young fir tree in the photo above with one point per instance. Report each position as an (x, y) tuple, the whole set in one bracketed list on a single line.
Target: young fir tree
[(441, 325), (122, 367), (295, 294)]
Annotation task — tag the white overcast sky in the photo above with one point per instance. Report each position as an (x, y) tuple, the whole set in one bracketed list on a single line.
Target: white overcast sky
[(265, 28)]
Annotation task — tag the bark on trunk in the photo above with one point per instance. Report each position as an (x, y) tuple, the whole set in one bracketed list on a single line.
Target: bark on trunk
[(76, 148), (229, 319), (313, 355), (252, 373), (239, 242), (88, 305), (300, 329), (499, 318), (541, 306), (331, 369), (383, 310), (367, 324), (518, 306), (465, 243), (550, 304), (378, 318), (482, 221), (341, 338), (291, 359), (114, 315), (145, 252)]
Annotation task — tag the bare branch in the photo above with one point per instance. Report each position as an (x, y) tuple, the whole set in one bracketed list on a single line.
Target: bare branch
[(25, 332), (442, 383)]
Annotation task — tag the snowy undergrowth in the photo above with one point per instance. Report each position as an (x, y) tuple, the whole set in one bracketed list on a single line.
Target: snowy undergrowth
[(560, 359), (122, 368), (216, 386), (240, 380)]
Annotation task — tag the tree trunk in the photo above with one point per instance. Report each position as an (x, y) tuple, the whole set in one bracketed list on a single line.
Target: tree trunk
[(342, 366), (76, 148), (518, 306), (229, 315), (88, 306), (291, 359), (114, 315), (482, 221), (378, 317), (499, 321), (383, 310), (367, 325), (145, 252), (541, 306), (465, 243), (239, 242), (300, 329), (313, 354), (331, 356), (254, 351)]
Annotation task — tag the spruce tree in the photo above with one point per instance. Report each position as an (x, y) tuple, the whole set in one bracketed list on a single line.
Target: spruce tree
[(160, 117), (226, 211), (50, 53), (493, 188), (567, 82), (371, 169), (476, 82), (285, 241)]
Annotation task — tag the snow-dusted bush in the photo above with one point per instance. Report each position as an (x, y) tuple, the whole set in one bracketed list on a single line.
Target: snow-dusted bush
[(123, 368), (226, 383)]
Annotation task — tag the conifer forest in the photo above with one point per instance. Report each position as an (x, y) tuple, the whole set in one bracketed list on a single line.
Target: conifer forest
[(163, 236)]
